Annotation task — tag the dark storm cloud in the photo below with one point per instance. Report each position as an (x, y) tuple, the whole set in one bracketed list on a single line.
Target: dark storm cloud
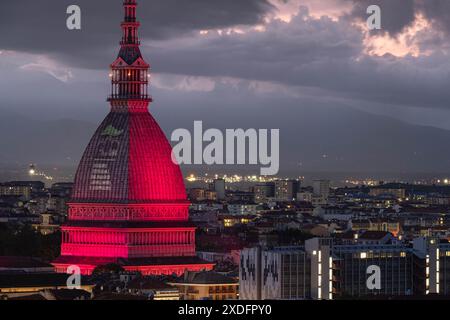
[(40, 26), (318, 53), (438, 11), (312, 53)]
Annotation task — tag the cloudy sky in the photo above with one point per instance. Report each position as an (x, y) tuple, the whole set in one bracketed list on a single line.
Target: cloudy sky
[(344, 97)]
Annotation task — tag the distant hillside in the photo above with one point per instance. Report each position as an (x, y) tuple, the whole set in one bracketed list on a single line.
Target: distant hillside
[(334, 140), (26, 140)]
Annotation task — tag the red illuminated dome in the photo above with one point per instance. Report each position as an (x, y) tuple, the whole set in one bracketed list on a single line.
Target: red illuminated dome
[(129, 161), (129, 203)]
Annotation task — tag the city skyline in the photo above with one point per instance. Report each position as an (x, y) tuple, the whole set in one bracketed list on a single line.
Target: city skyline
[(260, 150)]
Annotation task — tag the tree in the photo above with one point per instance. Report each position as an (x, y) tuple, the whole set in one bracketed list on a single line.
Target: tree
[(111, 268), (22, 240)]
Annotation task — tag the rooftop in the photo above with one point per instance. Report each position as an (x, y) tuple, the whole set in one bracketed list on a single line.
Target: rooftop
[(29, 280), (206, 277), (11, 262), (374, 235)]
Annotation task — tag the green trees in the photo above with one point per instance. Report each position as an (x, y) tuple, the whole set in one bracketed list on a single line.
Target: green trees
[(20, 240), (108, 269)]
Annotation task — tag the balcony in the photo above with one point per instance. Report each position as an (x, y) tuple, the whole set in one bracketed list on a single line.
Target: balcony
[(117, 97)]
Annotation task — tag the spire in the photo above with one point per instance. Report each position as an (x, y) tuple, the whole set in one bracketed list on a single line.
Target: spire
[(129, 25), (129, 73)]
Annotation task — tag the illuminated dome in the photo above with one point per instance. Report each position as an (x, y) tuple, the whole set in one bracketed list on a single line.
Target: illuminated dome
[(128, 161), (129, 203)]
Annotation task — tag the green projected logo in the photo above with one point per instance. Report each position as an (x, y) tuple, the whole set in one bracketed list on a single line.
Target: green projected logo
[(110, 131)]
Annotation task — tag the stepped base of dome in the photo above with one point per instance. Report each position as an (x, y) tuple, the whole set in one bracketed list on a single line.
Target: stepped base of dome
[(146, 266), (127, 240)]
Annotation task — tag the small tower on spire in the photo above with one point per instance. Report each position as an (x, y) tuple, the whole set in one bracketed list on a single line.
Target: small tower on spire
[(129, 73), (130, 25)]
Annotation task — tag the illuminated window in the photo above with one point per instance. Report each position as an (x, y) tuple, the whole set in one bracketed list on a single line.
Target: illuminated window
[(363, 255)]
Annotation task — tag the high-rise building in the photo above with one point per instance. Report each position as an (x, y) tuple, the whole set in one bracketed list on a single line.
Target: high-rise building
[(282, 273), (324, 270), (321, 258), (433, 257), (129, 203), (321, 188), (250, 274), (263, 192), (286, 190), (352, 270), (219, 188)]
